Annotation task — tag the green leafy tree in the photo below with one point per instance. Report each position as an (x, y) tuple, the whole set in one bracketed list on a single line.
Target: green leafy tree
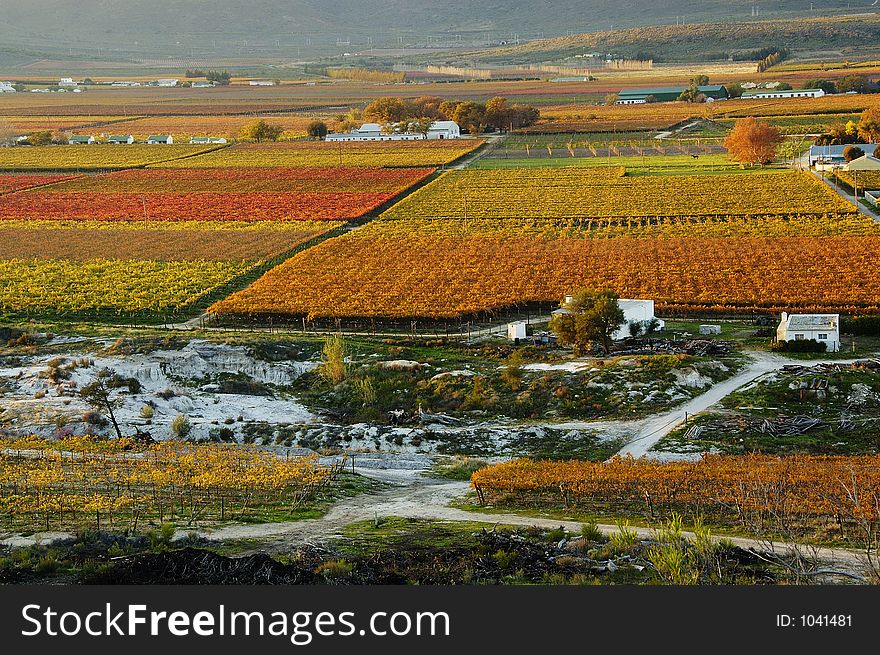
[(590, 317), (854, 83), (828, 86)]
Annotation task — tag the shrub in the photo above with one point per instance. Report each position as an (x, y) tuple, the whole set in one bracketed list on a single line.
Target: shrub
[(333, 367), (147, 411), (180, 426), (800, 346), (592, 532)]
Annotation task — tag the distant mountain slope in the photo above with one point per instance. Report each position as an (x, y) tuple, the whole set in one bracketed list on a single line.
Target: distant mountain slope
[(229, 24), (702, 40)]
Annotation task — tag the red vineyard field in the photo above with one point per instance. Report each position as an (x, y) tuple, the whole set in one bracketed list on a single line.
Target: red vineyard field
[(194, 206)]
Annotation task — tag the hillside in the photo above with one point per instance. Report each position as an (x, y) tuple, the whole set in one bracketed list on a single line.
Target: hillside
[(848, 35), (239, 27)]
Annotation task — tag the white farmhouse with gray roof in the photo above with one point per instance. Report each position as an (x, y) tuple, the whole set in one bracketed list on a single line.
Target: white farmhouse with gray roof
[(824, 328)]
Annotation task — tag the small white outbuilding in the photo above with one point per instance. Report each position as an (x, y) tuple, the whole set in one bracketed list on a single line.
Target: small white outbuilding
[(516, 330), (824, 328)]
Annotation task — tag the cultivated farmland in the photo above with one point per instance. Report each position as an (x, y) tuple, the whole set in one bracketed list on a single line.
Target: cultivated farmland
[(324, 154)]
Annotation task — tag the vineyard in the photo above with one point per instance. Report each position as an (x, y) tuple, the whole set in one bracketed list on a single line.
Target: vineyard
[(160, 240), (758, 492), (589, 193), (317, 154), (78, 482), (483, 240), (9, 183), (393, 269), (184, 127), (863, 179), (93, 157)]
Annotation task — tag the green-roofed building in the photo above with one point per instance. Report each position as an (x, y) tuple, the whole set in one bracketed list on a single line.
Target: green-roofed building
[(642, 95), (81, 140)]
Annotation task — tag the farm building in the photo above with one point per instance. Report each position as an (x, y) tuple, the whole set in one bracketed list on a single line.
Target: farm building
[(516, 330), (373, 132), (823, 328), (828, 157), (66, 81), (761, 94), (641, 96), (7, 87), (81, 140), (262, 83), (444, 130), (864, 163), (121, 140), (163, 139), (167, 82), (634, 311), (873, 197), (207, 140), (202, 85)]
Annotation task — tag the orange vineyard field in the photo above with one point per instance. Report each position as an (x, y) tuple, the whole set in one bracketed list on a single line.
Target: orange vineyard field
[(387, 270), (803, 489)]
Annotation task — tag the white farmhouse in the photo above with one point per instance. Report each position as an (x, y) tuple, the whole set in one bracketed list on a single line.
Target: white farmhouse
[(373, 132), (262, 83), (864, 163), (163, 139), (7, 87), (121, 139), (444, 130), (207, 140), (66, 81), (167, 81), (634, 311), (823, 328)]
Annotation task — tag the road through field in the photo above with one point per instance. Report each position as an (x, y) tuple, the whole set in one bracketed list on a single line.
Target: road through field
[(413, 495), (654, 428)]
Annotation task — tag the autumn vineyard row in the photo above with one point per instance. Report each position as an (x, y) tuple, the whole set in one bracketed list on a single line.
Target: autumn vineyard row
[(757, 491), (73, 483)]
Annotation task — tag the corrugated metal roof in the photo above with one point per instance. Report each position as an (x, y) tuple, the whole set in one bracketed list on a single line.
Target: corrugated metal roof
[(647, 91), (813, 321)]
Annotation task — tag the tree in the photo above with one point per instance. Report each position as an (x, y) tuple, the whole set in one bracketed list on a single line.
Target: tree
[(523, 115), (828, 86), (869, 124), (590, 317), (470, 116), (854, 84), (41, 138), (877, 152), (387, 110), (498, 113), (783, 86), (97, 395), (317, 129), (219, 77), (428, 107), (753, 142), (262, 131), (333, 367), (852, 152), (838, 134), (700, 80)]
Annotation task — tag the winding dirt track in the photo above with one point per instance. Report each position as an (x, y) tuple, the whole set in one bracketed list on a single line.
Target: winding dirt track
[(412, 495)]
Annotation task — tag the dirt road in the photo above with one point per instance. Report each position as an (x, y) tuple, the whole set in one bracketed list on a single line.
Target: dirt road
[(415, 496), (656, 427)]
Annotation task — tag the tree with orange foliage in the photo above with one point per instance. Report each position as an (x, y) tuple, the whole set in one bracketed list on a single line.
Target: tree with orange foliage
[(753, 142)]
